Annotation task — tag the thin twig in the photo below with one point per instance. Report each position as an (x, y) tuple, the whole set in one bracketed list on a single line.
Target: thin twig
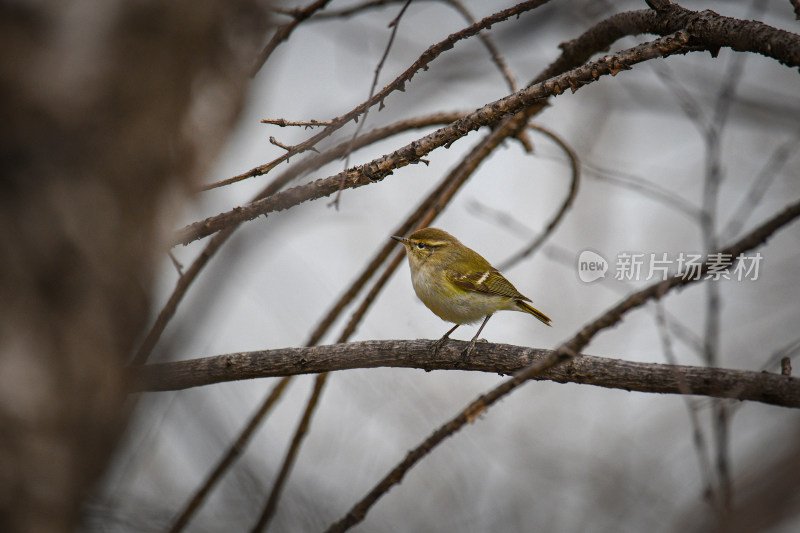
[(487, 41), (708, 222), (497, 59), (575, 168), (644, 187), (356, 9), (279, 144), (394, 25), (283, 33), (771, 169), (790, 350), (686, 101), (283, 123), (698, 437), (177, 264)]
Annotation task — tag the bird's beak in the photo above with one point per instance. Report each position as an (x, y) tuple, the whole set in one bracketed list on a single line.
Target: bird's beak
[(400, 239)]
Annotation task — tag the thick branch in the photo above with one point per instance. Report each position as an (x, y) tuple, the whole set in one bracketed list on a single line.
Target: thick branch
[(713, 31), (762, 387), (710, 30)]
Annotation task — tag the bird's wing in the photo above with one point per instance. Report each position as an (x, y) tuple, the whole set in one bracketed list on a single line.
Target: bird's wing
[(489, 282)]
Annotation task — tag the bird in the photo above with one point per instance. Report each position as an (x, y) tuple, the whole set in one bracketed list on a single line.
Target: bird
[(458, 284)]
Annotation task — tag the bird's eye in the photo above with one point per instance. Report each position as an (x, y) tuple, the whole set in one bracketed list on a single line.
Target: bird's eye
[(420, 245)]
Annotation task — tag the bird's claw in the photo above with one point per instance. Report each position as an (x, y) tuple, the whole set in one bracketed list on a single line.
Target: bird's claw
[(467, 353), (437, 346)]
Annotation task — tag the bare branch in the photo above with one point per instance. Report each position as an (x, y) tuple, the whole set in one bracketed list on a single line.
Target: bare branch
[(283, 33), (394, 25), (487, 41), (698, 437), (769, 388), (378, 169), (709, 30), (644, 187), (459, 6), (283, 122), (713, 31), (177, 264), (397, 85), (279, 144), (771, 169)]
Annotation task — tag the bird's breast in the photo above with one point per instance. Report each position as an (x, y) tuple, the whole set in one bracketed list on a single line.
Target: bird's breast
[(451, 303)]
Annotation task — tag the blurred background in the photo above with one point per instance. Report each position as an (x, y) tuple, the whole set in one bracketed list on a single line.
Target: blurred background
[(548, 457)]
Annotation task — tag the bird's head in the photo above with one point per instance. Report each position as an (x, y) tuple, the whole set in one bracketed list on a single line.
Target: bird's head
[(427, 243)]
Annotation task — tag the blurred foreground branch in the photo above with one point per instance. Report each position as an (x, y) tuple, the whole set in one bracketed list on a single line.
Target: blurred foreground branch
[(108, 114)]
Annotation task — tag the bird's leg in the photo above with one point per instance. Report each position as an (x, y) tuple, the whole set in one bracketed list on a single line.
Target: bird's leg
[(438, 344), (465, 355)]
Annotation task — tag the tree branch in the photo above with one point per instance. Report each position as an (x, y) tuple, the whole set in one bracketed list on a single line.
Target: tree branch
[(398, 84), (773, 389), (378, 169), (703, 31), (283, 33)]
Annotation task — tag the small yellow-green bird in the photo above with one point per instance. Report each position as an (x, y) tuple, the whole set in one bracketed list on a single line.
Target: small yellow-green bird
[(459, 285)]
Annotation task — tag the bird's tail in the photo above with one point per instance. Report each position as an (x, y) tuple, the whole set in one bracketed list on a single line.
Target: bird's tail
[(535, 312)]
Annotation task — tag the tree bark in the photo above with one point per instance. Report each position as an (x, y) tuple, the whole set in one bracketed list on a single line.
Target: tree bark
[(774, 389)]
